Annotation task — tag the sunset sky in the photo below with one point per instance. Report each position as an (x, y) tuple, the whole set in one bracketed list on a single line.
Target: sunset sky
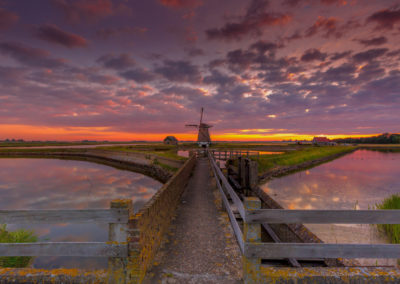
[(142, 69)]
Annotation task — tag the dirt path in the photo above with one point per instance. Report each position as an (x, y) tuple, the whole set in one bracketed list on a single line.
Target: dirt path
[(201, 247)]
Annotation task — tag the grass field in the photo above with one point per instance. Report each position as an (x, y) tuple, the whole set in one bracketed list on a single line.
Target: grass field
[(305, 154), (392, 230)]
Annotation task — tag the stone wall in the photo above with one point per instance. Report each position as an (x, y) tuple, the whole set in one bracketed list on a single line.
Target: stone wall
[(152, 221)]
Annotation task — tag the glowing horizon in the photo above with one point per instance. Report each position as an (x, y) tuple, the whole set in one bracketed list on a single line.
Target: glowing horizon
[(44, 133)]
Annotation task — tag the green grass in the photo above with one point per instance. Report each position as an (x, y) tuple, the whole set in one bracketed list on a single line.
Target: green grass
[(164, 166), (18, 236), (392, 230), (268, 162)]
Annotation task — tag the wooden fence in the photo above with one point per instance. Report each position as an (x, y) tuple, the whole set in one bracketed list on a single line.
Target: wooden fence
[(254, 217), (116, 249), (227, 154)]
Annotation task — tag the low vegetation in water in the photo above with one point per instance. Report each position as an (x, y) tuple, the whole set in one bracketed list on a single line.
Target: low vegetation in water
[(306, 154), (392, 230), (18, 236)]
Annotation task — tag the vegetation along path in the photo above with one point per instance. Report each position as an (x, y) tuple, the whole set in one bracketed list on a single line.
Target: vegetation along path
[(201, 247)]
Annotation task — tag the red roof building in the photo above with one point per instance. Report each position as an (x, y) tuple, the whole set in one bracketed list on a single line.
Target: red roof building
[(321, 140)]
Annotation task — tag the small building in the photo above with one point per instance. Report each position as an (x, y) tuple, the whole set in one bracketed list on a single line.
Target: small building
[(170, 140), (322, 141)]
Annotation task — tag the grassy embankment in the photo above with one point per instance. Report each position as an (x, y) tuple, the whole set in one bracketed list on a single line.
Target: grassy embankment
[(300, 156), (158, 150), (55, 143), (18, 236), (392, 230)]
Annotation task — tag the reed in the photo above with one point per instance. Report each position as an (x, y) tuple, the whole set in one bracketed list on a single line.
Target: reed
[(392, 230)]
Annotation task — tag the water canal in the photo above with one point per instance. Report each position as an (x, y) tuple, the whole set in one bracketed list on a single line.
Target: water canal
[(69, 184), (356, 181)]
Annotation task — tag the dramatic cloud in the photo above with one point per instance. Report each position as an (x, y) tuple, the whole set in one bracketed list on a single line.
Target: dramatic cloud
[(53, 34), (181, 3), (369, 55), (107, 33), (139, 75), (327, 26), (385, 19), (275, 67), (117, 62), (313, 54), (373, 41), (84, 10), (30, 56), (252, 23), (7, 19), (180, 71)]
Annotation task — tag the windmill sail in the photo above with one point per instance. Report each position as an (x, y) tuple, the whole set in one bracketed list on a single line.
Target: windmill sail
[(203, 137)]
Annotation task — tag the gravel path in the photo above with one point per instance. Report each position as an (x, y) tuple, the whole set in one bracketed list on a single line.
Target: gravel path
[(200, 247)]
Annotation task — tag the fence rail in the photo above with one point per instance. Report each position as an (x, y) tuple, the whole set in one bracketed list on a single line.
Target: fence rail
[(253, 217), (117, 217), (83, 249)]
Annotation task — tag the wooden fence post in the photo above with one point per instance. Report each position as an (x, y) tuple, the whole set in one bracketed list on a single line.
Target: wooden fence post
[(118, 233), (252, 234), (253, 174)]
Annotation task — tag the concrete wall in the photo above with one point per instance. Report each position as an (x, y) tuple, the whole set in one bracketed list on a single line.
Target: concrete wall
[(152, 221)]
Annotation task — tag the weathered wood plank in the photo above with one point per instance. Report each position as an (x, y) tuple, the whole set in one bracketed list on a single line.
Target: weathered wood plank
[(320, 250), (85, 249), (64, 216), (232, 218), (228, 187), (276, 239), (278, 216)]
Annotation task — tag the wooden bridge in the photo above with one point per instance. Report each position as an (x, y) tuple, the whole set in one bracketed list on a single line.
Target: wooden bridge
[(185, 217)]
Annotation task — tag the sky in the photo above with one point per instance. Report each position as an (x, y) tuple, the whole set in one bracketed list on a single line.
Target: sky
[(140, 70)]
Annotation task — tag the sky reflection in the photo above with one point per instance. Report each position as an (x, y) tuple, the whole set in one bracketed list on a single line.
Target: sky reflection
[(356, 181), (63, 184)]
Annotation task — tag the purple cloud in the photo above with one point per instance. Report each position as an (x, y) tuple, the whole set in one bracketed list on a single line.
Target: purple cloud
[(30, 56), (370, 54), (117, 62), (373, 41), (256, 18), (7, 19), (54, 34), (313, 54), (385, 19), (180, 71)]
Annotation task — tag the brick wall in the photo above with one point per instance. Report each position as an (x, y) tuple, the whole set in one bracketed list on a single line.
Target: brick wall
[(152, 221)]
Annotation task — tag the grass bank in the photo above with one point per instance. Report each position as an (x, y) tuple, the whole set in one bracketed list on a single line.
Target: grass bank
[(18, 236), (301, 156), (392, 230), (166, 151)]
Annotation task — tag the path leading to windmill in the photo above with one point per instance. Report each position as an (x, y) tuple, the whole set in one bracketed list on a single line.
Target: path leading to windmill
[(201, 247)]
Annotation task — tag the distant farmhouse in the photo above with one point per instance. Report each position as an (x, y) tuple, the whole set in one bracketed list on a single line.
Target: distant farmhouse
[(170, 140), (321, 141)]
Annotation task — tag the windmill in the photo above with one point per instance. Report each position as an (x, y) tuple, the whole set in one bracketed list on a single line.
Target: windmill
[(203, 137)]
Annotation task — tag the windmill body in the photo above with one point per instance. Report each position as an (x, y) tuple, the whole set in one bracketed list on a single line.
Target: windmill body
[(203, 136)]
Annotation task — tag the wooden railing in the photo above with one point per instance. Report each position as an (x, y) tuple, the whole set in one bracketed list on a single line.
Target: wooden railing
[(253, 218), (221, 154), (116, 248)]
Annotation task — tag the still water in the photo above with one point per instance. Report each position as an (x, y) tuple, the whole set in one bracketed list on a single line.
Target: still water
[(68, 184), (356, 181)]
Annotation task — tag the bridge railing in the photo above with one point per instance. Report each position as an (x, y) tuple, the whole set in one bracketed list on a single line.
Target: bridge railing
[(116, 249), (253, 217)]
